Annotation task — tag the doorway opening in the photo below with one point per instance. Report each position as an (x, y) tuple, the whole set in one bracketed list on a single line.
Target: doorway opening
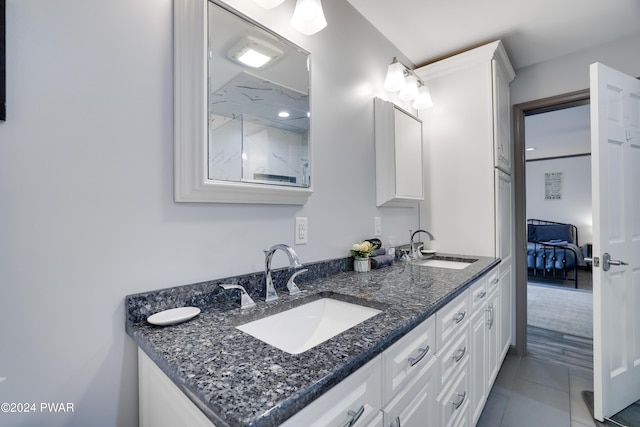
[(548, 192)]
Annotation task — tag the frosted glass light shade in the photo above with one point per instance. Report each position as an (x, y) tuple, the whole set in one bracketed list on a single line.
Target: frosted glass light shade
[(395, 77), (410, 90), (308, 17), (424, 99), (269, 4)]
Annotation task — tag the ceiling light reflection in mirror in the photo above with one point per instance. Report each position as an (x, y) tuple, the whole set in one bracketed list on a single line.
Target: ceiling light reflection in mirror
[(254, 77)]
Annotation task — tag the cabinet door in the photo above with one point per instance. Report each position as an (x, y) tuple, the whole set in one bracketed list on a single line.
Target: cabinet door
[(501, 117), (358, 397), (493, 335), (399, 161), (506, 306), (162, 403), (407, 358), (478, 363), (415, 405), (504, 217)]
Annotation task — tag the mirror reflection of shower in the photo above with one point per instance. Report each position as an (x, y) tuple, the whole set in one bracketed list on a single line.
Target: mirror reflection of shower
[(258, 104)]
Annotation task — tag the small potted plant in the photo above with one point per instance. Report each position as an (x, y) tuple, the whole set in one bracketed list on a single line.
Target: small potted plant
[(361, 253)]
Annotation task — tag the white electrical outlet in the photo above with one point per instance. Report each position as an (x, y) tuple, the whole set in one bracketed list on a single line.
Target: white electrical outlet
[(377, 226), (301, 231)]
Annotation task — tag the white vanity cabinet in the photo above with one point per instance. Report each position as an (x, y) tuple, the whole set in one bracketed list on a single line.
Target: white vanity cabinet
[(438, 374), (399, 161)]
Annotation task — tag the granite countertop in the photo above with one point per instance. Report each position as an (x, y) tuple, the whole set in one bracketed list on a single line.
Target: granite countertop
[(238, 380)]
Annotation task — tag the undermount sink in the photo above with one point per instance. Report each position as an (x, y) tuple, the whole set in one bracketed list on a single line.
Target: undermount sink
[(446, 262), (300, 328)]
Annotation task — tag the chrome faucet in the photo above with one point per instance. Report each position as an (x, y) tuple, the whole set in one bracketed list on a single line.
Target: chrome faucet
[(293, 260), (414, 253)]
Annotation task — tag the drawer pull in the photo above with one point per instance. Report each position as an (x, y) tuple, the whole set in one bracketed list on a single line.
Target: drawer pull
[(397, 422), (354, 416), (422, 353), (461, 398), (495, 281), (458, 317), (460, 355), (481, 295)]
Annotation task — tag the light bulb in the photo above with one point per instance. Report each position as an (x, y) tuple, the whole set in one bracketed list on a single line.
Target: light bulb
[(410, 90), (424, 99), (395, 77)]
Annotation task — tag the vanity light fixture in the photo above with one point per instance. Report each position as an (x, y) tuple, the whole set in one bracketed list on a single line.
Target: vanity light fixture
[(400, 78), (409, 91), (530, 149), (308, 17), (253, 52), (283, 114), (424, 99)]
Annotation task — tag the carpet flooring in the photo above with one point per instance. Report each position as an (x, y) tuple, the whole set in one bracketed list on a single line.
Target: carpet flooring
[(560, 309)]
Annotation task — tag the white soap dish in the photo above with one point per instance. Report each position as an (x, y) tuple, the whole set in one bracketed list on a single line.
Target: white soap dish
[(173, 316), (428, 251)]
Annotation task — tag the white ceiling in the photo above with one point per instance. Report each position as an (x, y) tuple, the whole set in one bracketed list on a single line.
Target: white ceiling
[(558, 133), (532, 31)]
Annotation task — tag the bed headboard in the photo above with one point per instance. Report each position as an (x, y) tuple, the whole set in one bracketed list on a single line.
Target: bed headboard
[(539, 230)]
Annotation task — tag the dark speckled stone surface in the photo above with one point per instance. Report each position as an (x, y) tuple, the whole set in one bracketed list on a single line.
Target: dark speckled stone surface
[(238, 380)]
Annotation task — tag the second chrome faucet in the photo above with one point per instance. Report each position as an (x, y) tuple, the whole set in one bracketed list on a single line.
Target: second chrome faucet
[(294, 262)]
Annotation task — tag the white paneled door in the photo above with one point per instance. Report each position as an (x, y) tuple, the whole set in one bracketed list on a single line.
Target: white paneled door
[(615, 145)]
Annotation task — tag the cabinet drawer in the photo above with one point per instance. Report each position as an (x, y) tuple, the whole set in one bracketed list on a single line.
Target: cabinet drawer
[(492, 281), (451, 319), (452, 358), (415, 404), (478, 295), (358, 396), (407, 358), (453, 402)]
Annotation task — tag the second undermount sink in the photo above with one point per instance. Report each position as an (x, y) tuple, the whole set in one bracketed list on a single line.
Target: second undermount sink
[(445, 262), (300, 328)]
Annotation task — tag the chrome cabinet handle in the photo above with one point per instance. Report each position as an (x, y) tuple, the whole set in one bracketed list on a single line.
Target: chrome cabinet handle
[(461, 398), (491, 315), (481, 295), (422, 353), (397, 423), (460, 354), (458, 317), (354, 416)]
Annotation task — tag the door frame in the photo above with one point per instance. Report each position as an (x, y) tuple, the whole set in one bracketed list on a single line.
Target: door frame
[(544, 105)]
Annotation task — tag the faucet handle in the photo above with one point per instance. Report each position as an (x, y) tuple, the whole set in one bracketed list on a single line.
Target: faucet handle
[(293, 288), (245, 299)]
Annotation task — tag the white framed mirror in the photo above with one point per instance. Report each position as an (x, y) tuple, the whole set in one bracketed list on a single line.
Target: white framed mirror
[(241, 131)]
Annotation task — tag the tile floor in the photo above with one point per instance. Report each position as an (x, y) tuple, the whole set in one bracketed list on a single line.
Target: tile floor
[(532, 392)]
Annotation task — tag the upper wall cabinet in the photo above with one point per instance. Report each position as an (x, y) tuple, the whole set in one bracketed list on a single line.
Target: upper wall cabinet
[(398, 141), (468, 138), (241, 127)]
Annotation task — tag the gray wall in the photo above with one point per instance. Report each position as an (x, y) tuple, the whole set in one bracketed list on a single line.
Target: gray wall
[(571, 73), (86, 187)]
